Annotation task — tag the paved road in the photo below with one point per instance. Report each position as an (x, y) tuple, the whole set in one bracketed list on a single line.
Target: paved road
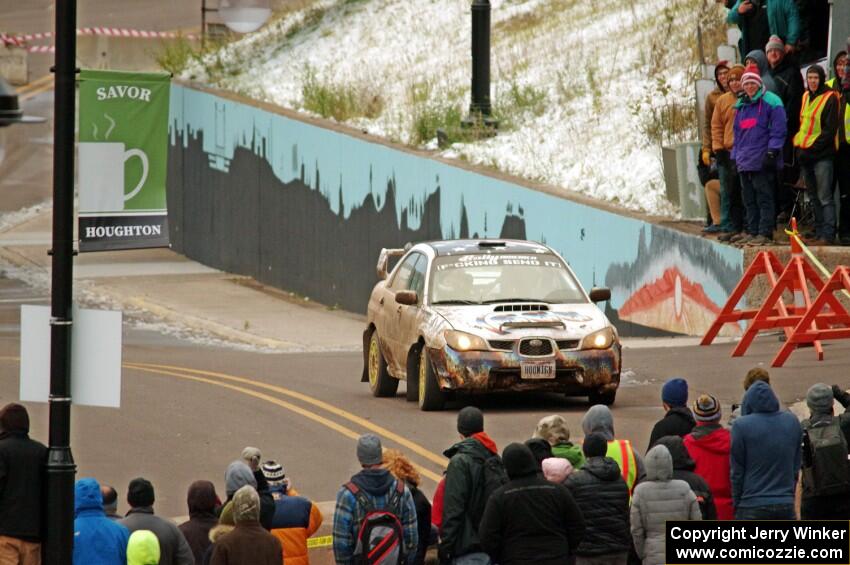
[(189, 416)]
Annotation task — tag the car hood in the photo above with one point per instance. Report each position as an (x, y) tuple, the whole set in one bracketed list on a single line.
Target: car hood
[(489, 322)]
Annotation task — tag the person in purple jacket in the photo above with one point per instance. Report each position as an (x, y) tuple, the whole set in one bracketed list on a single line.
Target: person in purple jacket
[(760, 129)]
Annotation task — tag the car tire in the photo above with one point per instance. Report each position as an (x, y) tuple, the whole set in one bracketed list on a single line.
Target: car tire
[(606, 398), (381, 383), (431, 398)]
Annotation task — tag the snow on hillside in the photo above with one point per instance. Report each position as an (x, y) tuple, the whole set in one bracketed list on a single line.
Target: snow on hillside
[(587, 90)]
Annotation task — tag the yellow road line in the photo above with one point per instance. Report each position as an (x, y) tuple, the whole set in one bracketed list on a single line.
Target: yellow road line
[(348, 432), (35, 92), (170, 370), (412, 446), (35, 84)]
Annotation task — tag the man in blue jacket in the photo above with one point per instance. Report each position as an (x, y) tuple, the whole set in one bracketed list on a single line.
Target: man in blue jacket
[(765, 457), (97, 539), (760, 129)]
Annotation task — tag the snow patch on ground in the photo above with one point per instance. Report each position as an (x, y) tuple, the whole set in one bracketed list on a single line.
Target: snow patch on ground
[(596, 64)]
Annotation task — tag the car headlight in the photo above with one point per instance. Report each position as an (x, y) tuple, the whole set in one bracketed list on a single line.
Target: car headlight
[(602, 339), (462, 341)]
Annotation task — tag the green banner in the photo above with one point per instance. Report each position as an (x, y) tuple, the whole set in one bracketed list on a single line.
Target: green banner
[(123, 160)]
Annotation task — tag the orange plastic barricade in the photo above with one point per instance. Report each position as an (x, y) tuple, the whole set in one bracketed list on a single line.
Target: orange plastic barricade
[(814, 325), (766, 264), (795, 278)]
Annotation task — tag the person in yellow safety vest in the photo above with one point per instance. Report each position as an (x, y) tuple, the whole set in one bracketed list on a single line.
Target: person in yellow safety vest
[(600, 420), (816, 143), (842, 157)]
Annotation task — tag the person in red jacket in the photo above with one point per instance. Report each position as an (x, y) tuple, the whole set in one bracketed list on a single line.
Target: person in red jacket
[(708, 445)]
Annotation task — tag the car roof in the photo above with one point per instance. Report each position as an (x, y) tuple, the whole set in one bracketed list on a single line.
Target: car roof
[(495, 246)]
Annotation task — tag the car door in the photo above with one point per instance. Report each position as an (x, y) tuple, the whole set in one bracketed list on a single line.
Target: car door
[(408, 315), (391, 310)]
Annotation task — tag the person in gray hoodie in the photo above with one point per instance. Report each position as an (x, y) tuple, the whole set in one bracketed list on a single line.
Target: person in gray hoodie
[(759, 58), (600, 420), (656, 500)]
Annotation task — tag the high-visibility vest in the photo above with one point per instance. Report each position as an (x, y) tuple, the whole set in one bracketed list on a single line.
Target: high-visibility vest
[(620, 450), (810, 117), (830, 83), (846, 121)]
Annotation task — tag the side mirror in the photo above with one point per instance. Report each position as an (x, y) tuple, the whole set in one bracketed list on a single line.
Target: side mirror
[(406, 297), (600, 294)]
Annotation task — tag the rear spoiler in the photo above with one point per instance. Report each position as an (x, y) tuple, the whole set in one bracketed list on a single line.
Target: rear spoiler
[(383, 260)]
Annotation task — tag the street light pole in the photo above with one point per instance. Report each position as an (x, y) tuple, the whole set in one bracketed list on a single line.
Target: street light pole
[(61, 469), (480, 58)]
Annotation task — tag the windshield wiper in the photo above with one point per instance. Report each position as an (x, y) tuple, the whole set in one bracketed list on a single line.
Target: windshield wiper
[(515, 300), (442, 302)]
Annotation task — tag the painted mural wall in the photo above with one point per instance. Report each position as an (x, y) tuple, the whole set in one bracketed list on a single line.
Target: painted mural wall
[(307, 209)]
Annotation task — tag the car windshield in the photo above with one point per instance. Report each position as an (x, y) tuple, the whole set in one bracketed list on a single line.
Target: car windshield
[(487, 278)]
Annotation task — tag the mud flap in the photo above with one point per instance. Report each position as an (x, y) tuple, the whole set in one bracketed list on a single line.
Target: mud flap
[(366, 336)]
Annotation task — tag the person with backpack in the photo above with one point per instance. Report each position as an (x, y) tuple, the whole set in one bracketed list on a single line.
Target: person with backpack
[(475, 471), (529, 519), (826, 473), (375, 517)]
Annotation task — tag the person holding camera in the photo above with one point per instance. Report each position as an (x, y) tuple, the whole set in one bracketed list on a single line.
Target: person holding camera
[(295, 518)]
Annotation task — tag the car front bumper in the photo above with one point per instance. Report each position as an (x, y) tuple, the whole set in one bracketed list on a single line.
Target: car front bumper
[(578, 372)]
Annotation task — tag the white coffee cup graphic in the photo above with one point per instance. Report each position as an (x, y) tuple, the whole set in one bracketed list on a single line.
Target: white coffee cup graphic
[(101, 174)]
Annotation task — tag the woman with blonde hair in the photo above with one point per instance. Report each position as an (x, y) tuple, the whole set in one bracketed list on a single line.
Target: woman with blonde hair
[(402, 469)]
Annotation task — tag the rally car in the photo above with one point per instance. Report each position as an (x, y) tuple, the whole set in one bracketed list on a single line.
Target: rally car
[(484, 316)]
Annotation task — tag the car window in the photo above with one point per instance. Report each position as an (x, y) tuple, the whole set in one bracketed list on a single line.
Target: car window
[(401, 280), (417, 279), (482, 278)]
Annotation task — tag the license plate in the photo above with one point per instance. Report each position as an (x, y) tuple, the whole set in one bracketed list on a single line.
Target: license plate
[(545, 370)]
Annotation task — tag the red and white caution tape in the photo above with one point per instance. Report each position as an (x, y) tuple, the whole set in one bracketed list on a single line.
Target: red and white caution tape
[(20, 40)]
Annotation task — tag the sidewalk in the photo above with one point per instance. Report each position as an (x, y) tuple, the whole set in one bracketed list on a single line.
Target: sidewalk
[(159, 285)]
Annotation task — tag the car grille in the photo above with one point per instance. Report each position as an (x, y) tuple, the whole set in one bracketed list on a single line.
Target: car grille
[(567, 343), (535, 347), (502, 344), (520, 308)]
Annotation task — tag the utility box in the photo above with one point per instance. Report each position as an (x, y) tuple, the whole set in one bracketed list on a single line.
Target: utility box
[(682, 181), (13, 64)]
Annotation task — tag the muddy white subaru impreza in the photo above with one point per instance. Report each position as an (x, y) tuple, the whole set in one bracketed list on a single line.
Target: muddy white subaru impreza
[(480, 316)]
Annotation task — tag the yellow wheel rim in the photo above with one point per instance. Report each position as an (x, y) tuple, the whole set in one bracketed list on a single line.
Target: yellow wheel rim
[(423, 373), (374, 354)]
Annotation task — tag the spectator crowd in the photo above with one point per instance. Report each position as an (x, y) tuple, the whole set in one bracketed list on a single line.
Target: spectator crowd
[(545, 500), (771, 130)]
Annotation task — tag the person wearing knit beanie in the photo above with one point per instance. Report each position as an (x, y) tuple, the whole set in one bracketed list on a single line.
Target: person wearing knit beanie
[(760, 130), (774, 43), (470, 421), (751, 76), (706, 409), (677, 420)]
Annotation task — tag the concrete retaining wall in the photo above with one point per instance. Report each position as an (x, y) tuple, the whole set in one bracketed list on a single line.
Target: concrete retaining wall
[(306, 205)]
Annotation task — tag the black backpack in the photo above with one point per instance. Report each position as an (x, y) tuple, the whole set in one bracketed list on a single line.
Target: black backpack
[(826, 471), (380, 539), (493, 475)]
